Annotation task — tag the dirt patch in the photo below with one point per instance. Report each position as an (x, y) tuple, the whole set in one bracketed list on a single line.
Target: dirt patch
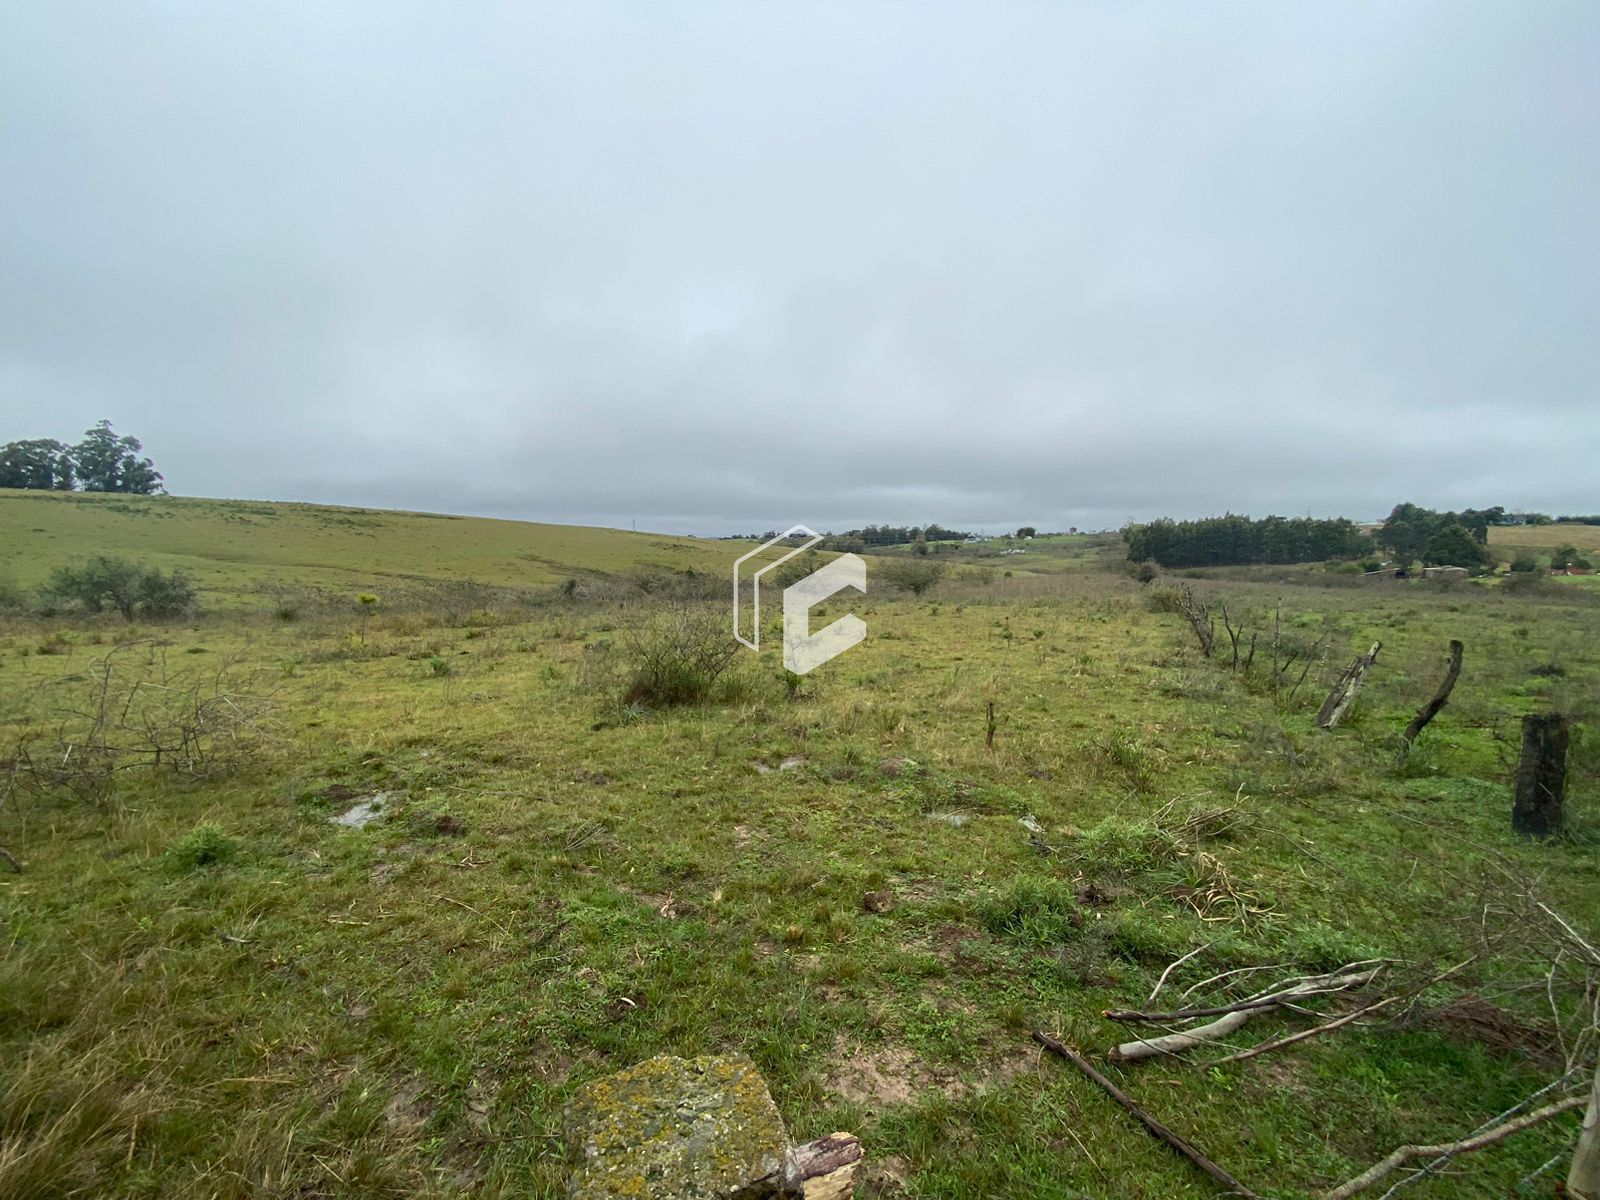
[(886, 1075), (408, 1108), (383, 872), (876, 1078)]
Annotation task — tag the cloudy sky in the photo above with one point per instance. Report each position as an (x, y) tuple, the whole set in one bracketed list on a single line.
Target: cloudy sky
[(727, 266)]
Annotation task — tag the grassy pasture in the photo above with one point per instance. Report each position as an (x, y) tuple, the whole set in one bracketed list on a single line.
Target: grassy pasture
[(209, 989)]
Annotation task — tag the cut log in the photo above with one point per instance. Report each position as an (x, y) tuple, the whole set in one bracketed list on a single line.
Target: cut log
[(1344, 692), (824, 1169), (1441, 697), (1541, 776)]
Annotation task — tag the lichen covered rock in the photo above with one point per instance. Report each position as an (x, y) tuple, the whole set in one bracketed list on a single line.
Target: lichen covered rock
[(677, 1129)]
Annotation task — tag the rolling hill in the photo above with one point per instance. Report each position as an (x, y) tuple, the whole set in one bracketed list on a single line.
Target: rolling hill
[(234, 548)]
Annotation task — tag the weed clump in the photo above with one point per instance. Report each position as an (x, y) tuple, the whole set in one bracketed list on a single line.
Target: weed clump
[(1129, 847)]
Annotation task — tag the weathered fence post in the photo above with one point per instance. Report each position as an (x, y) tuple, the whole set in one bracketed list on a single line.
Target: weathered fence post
[(1344, 692), (1541, 776), (1441, 697)]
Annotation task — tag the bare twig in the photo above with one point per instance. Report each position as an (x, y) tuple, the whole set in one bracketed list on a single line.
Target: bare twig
[(1162, 982)]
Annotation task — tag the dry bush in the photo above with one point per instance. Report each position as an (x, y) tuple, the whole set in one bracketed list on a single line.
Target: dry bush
[(80, 733), (675, 655)]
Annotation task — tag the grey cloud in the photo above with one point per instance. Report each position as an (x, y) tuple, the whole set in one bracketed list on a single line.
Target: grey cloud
[(717, 267)]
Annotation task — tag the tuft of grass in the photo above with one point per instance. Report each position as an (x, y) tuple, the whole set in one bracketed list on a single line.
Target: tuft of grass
[(206, 845), (1037, 911)]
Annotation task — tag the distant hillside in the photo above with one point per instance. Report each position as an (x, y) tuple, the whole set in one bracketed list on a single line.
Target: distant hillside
[(235, 548), (1541, 539)]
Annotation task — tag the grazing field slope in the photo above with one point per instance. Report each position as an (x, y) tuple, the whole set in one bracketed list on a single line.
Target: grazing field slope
[(324, 900)]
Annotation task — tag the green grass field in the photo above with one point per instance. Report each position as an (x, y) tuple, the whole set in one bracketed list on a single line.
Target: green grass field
[(210, 989)]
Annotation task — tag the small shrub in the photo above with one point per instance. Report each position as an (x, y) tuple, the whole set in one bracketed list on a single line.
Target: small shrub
[(1137, 937), (1126, 755), (911, 575), (206, 845), (1524, 564), (106, 583), (1527, 585), (440, 667), (55, 643), (1319, 947)]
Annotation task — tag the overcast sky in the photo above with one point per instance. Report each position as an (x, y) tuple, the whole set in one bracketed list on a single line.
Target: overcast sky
[(718, 267)]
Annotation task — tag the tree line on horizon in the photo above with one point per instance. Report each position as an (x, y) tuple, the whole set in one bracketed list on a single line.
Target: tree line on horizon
[(1411, 533), (101, 462)]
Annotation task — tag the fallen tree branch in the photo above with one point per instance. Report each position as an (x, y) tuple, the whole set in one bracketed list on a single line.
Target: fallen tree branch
[(1180, 1144), (1339, 1022), (1316, 985), (1489, 1137)]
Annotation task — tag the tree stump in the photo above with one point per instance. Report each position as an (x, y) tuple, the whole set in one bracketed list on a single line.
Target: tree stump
[(1541, 776)]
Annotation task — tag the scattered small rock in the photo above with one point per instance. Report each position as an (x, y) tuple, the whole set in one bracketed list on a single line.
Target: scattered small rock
[(1031, 825), (954, 819), (878, 902), (790, 763)]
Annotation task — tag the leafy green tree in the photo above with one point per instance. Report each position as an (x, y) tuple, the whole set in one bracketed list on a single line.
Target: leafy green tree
[(1568, 556), (1407, 531), (108, 463), (1452, 545), (1524, 564), (914, 575), (43, 464), (1027, 531)]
